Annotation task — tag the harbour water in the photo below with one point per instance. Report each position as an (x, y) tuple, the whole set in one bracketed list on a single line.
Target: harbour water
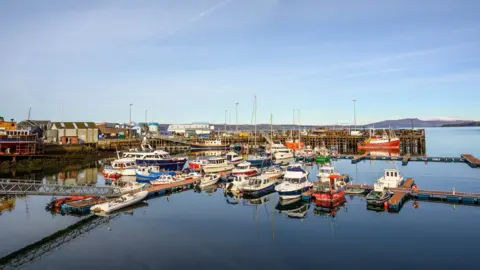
[(209, 230)]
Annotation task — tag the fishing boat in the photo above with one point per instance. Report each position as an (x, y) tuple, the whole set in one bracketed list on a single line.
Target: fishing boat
[(328, 192), (294, 144), (197, 165), (386, 141), (379, 195), (280, 152), (295, 182), (145, 174), (209, 179), (260, 161), (217, 164), (119, 203), (245, 168), (234, 158), (258, 186), (322, 155), (209, 145), (325, 171)]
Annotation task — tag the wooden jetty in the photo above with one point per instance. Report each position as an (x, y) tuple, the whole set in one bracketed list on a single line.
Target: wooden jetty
[(400, 196), (161, 189), (471, 160)]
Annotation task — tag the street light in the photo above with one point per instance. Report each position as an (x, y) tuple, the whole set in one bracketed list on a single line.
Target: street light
[(236, 115), (354, 114), (225, 120), (131, 104)]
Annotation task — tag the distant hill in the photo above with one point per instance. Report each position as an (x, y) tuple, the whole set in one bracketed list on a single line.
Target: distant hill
[(415, 122), (463, 124)]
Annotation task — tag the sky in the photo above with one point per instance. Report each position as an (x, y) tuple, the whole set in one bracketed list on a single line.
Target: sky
[(191, 60)]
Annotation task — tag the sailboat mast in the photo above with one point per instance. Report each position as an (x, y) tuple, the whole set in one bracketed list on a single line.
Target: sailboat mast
[(271, 127), (255, 109)]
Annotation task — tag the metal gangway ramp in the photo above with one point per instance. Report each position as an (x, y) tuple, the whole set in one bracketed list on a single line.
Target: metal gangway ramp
[(32, 187), (51, 243)]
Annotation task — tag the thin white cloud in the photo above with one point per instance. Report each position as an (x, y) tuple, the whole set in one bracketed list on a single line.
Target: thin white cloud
[(196, 18)]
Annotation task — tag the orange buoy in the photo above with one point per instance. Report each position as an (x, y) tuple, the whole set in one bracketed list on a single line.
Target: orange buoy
[(385, 204)]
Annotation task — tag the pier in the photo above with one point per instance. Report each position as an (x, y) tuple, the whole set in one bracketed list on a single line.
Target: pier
[(465, 158), (161, 189), (409, 191), (29, 187)]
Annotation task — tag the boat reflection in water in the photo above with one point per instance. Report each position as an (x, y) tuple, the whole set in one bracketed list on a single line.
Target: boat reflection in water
[(295, 209), (257, 200), (210, 189), (329, 209), (385, 153), (127, 210)]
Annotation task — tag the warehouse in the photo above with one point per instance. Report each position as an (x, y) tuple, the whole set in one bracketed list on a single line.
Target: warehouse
[(72, 132)]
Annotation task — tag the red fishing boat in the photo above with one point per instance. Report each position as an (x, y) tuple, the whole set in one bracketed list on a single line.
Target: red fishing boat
[(57, 203), (328, 192), (197, 165), (386, 141)]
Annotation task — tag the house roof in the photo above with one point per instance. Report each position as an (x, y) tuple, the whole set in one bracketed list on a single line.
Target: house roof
[(73, 125)]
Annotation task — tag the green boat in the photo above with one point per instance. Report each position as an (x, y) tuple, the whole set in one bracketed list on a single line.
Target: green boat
[(322, 159)]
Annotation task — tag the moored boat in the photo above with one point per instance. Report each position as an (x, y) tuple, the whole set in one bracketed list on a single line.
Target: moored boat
[(217, 164), (119, 203), (234, 158), (209, 145), (379, 195), (197, 165), (329, 192), (245, 168), (237, 183), (258, 186), (295, 182), (386, 141), (209, 179), (325, 171)]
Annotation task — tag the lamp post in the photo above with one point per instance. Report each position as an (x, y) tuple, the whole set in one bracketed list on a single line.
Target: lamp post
[(236, 115), (354, 114), (130, 105), (225, 121)]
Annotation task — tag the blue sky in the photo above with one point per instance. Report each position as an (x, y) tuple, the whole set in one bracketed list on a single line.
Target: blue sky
[(190, 60)]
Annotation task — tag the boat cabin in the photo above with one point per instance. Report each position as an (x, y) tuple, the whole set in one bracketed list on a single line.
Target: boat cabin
[(391, 179), (244, 166), (217, 160), (123, 164), (257, 182), (147, 155), (326, 169)]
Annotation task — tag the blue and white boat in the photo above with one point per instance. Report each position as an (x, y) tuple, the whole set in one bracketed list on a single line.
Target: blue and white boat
[(260, 161), (258, 186), (145, 174), (295, 183), (150, 157)]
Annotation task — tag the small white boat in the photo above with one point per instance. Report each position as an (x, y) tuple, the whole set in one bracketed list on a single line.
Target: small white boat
[(189, 176), (163, 180), (209, 179), (245, 168), (273, 173), (217, 164), (131, 187), (120, 167), (325, 171), (237, 183), (119, 203), (234, 158), (281, 152)]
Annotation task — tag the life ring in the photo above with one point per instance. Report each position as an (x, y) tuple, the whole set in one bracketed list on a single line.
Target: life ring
[(414, 187)]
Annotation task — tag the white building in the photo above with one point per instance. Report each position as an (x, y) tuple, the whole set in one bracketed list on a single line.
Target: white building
[(85, 132), (191, 129)]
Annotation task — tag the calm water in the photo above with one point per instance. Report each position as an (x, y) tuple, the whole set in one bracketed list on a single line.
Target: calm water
[(209, 231)]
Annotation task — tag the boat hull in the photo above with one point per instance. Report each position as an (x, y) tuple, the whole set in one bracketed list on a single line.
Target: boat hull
[(209, 147), (292, 194), (258, 192), (168, 165), (329, 197), (393, 144), (216, 169)]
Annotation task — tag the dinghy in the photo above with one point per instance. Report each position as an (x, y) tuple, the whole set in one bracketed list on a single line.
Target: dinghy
[(119, 203)]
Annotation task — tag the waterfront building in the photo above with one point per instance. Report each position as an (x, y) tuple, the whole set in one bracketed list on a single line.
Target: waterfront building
[(72, 132)]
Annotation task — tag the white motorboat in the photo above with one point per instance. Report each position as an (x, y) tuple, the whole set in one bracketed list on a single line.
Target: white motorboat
[(273, 172), (325, 172), (234, 158), (149, 156), (163, 180), (295, 182), (391, 179), (121, 202), (237, 183), (120, 167), (258, 185), (245, 168), (217, 164), (280, 151), (128, 187), (209, 179), (189, 176)]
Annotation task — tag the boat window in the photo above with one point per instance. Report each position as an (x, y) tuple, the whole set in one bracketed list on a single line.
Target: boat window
[(395, 174), (388, 173)]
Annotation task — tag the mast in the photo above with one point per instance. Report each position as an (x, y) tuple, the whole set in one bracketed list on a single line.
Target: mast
[(271, 127), (255, 116)]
